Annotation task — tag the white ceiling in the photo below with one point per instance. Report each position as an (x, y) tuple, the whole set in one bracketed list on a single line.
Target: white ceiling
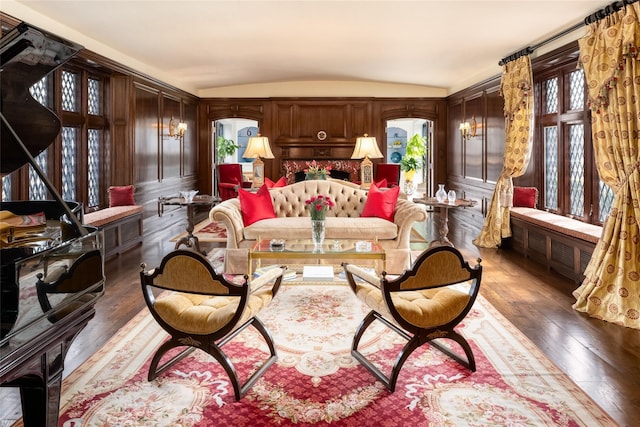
[(206, 46)]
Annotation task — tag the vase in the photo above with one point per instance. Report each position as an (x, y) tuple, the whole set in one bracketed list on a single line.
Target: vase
[(451, 196), (310, 176), (317, 232), (441, 194)]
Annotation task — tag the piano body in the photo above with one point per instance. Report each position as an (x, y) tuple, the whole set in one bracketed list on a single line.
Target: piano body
[(51, 266)]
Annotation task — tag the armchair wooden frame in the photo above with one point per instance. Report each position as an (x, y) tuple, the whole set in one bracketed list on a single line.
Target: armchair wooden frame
[(435, 268), (188, 272)]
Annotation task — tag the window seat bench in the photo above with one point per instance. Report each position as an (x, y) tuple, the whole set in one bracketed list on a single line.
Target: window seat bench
[(121, 225), (559, 243)]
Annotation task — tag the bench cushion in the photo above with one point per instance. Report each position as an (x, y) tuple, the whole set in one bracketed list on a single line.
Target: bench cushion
[(561, 224), (105, 216)]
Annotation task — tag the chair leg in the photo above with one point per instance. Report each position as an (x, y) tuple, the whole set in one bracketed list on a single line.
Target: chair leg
[(470, 363), (154, 371), (216, 351)]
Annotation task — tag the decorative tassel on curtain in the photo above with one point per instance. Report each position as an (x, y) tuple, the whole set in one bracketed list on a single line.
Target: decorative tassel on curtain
[(609, 57), (516, 87)]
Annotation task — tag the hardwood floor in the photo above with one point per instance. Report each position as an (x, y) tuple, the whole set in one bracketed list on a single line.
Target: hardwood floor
[(601, 358)]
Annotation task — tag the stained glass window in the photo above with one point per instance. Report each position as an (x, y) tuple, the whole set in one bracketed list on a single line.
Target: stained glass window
[(70, 91), (6, 187), (93, 171), (551, 96), (69, 153), (576, 170), (551, 167)]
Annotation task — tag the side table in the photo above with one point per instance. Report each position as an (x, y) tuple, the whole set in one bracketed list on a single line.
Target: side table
[(190, 240)]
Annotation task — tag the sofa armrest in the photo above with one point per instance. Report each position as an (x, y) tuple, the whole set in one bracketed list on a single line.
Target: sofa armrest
[(228, 212), (405, 215)]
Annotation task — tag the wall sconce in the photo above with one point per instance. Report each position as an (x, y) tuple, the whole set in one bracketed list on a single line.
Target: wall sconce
[(469, 129), (176, 131)]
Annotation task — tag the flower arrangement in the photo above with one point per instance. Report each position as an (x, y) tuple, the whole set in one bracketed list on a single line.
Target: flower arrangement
[(318, 206), (315, 171)]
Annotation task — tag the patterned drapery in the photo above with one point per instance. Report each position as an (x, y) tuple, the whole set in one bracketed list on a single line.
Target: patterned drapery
[(609, 56), (516, 88)]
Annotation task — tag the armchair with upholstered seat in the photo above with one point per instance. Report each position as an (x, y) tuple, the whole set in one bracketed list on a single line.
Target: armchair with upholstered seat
[(423, 304), (202, 310), (229, 180), (388, 171)]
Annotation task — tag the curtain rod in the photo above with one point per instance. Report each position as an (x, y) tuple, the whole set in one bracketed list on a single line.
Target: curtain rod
[(594, 17)]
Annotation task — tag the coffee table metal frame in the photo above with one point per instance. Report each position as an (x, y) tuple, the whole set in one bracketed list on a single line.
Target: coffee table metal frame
[(341, 249)]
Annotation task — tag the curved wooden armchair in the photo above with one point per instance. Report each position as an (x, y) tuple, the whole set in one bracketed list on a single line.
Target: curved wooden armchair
[(420, 305), (205, 311)]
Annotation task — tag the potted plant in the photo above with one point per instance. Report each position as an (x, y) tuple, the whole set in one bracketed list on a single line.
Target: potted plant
[(226, 147), (414, 156)]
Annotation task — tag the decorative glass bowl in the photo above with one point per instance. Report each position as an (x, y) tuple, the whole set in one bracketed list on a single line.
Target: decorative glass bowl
[(188, 195)]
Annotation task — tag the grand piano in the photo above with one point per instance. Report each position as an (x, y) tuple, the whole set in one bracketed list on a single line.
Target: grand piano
[(51, 266)]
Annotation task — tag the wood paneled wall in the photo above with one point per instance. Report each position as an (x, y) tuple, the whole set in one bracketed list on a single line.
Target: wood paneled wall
[(295, 126), (475, 163)]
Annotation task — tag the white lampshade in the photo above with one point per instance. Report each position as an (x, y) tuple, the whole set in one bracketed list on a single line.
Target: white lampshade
[(258, 146), (366, 146)]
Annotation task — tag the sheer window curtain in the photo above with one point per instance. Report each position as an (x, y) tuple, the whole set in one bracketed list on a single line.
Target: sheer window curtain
[(516, 89), (609, 56)]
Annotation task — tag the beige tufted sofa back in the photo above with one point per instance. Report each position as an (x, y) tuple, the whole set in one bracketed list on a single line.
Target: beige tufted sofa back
[(290, 201)]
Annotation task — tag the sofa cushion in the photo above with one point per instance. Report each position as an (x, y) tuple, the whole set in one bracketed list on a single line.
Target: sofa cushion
[(525, 197), (335, 228), (382, 183), (279, 183), (381, 204), (121, 196), (255, 206)]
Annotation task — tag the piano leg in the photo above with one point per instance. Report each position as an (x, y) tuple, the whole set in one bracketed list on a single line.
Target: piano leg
[(39, 375), (41, 402)]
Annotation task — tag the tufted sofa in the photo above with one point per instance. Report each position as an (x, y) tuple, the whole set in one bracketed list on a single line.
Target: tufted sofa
[(343, 222)]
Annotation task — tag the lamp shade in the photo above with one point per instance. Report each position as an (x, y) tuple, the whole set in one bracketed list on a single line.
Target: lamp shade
[(366, 146), (258, 146)]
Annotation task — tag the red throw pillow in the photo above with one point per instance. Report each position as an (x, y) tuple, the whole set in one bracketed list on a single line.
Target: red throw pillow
[(255, 206), (381, 204), (525, 197), (282, 182), (382, 183), (121, 196)]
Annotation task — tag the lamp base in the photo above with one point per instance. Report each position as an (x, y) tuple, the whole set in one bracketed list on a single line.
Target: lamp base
[(258, 173), (366, 173)]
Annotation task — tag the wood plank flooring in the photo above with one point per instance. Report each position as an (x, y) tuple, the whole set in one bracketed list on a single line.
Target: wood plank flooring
[(601, 358)]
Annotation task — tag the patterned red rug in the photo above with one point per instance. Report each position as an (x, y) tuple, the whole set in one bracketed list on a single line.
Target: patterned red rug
[(206, 231), (316, 381)]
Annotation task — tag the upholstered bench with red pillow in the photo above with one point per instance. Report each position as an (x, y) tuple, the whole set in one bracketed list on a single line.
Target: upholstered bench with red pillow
[(121, 222), (281, 213)]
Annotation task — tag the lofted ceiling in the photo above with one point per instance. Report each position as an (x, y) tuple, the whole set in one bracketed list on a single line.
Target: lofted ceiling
[(210, 47)]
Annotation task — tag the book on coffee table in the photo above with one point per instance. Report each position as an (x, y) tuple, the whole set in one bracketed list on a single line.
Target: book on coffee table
[(314, 273)]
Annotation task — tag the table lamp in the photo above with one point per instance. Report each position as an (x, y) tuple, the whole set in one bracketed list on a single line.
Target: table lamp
[(257, 147), (366, 148)]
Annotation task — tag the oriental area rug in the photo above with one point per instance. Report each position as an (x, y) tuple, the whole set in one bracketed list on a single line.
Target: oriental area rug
[(316, 381), (206, 231)]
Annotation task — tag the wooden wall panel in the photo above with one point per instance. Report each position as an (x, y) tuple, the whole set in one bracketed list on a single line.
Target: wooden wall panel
[(495, 135), (483, 154), (473, 146), (455, 146), (170, 146), (147, 153), (190, 141)]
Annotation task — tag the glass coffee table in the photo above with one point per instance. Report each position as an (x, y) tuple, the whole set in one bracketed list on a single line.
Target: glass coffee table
[(341, 250)]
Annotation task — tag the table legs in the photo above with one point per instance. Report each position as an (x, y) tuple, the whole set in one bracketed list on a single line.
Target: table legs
[(190, 240), (443, 230)]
